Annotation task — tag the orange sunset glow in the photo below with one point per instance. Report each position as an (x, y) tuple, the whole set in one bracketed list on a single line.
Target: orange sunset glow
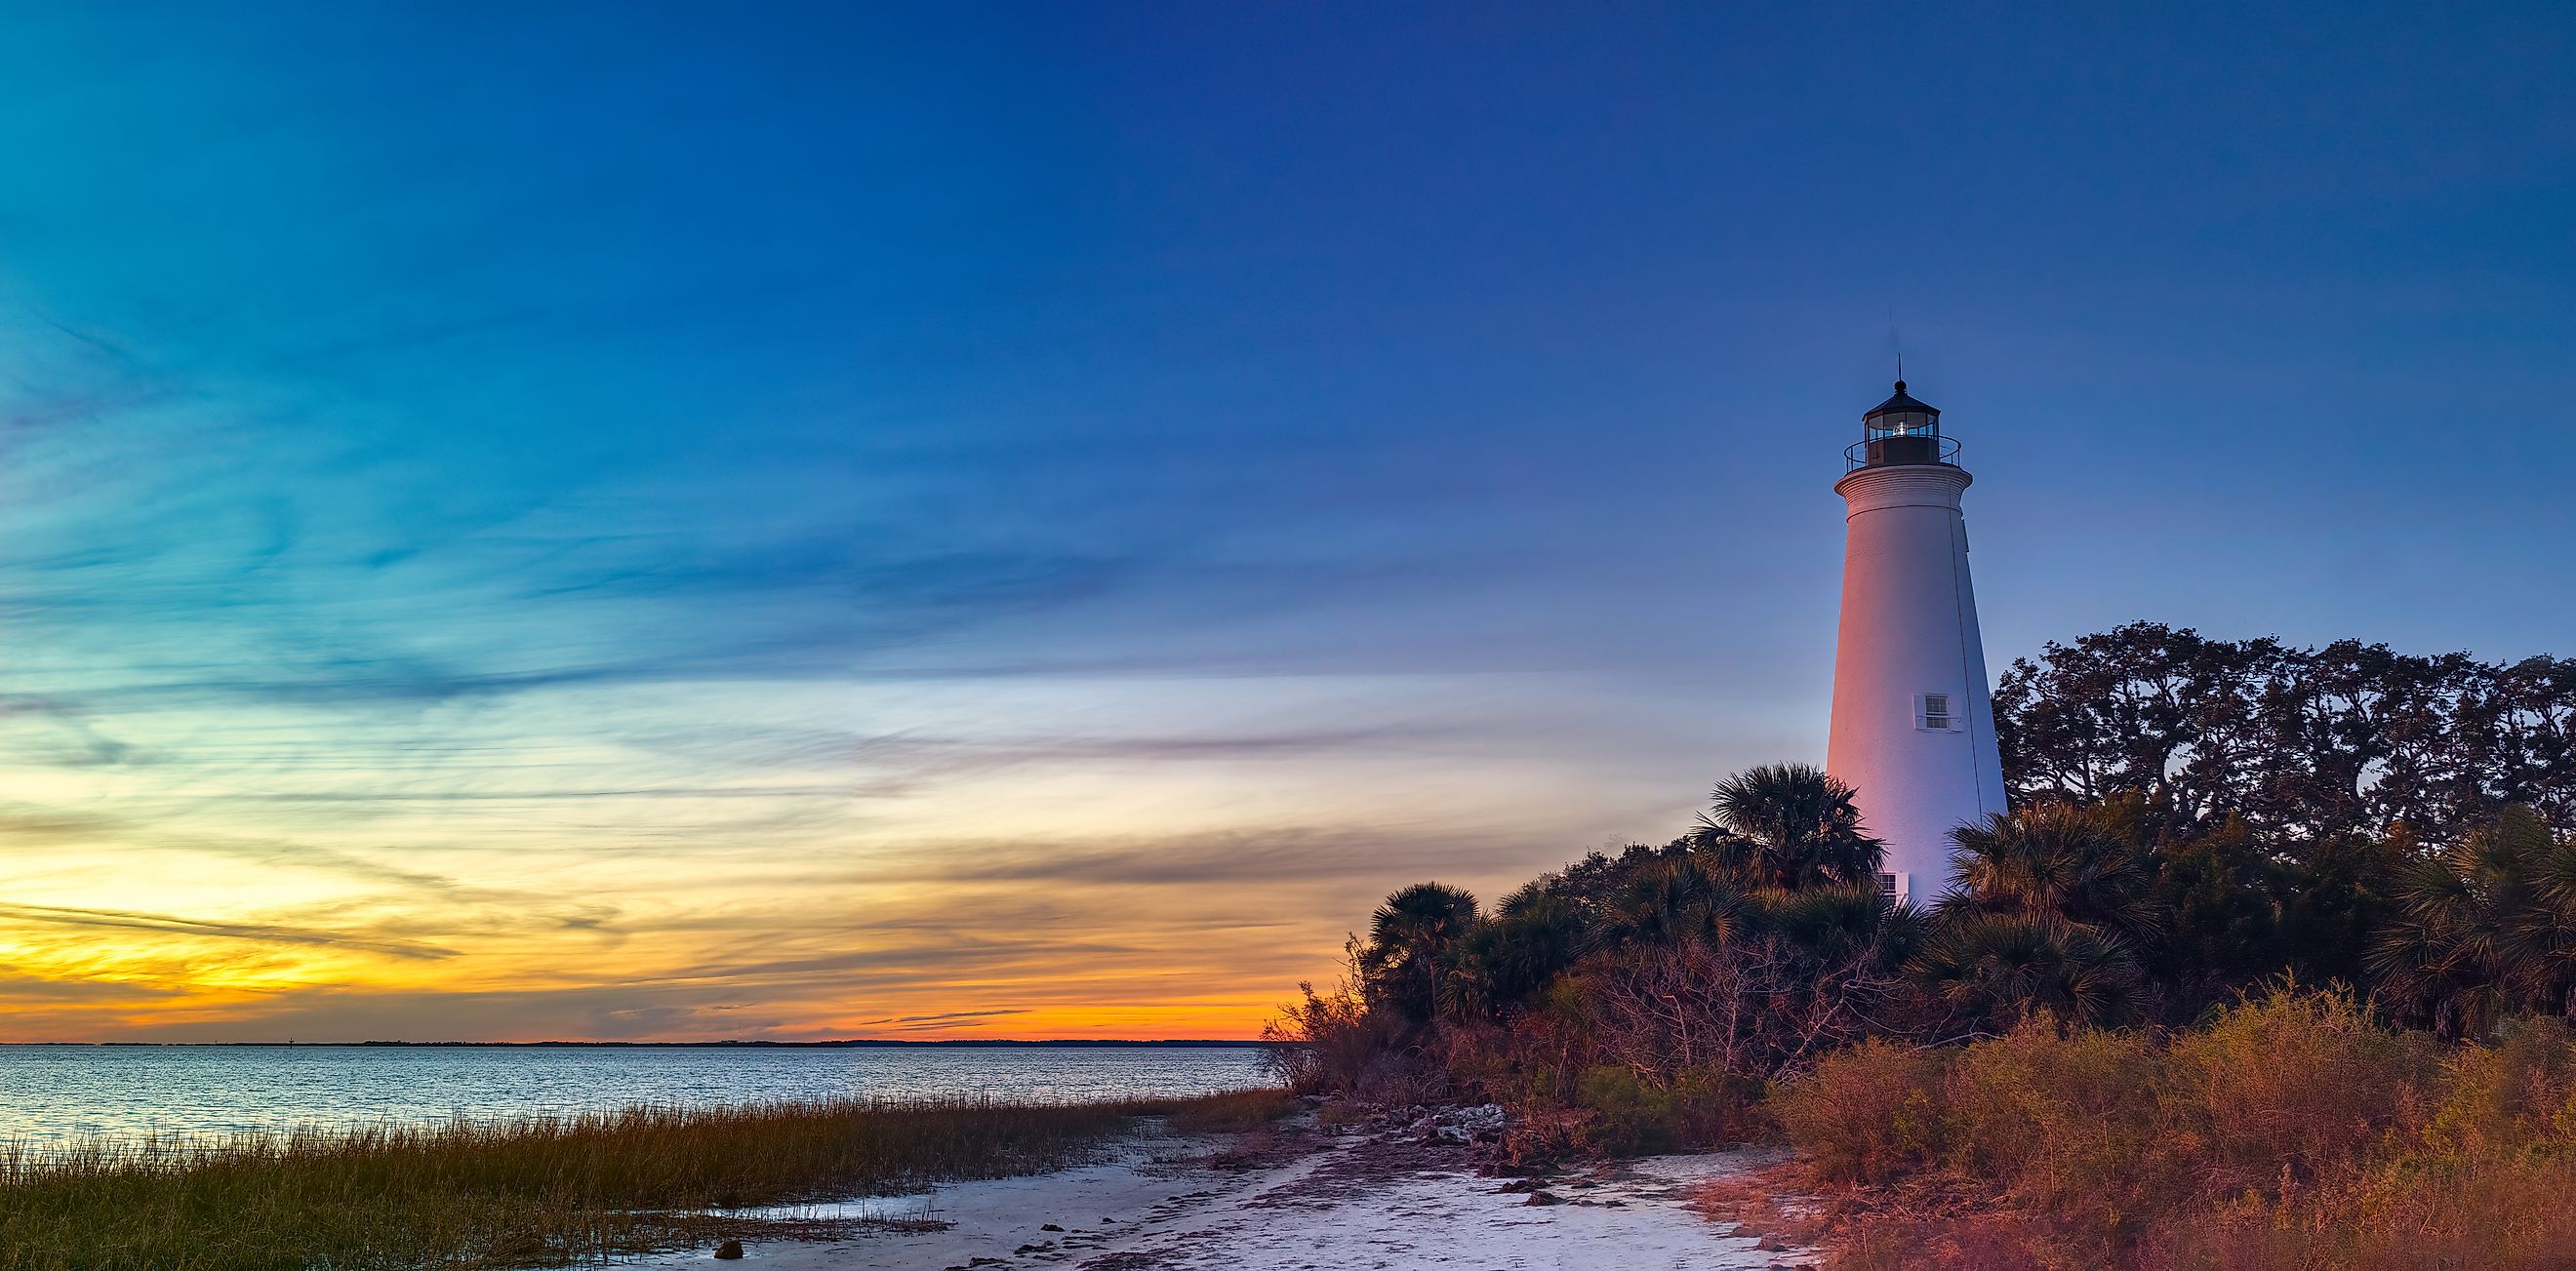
[(851, 522)]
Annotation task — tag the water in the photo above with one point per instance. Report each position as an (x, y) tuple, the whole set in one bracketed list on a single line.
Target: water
[(54, 1093)]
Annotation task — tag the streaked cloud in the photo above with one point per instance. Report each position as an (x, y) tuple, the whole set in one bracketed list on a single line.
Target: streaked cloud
[(171, 924), (587, 522)]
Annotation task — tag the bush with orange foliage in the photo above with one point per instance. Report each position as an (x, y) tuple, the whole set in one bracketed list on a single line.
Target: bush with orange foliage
[(2293, 1130)]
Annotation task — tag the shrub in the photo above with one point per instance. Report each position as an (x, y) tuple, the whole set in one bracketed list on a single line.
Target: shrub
[(2293, 1130), (1868, 1114), (2291, 1087), (2488, 1209), (2072, 1124), (2520, 1092), (1635, 1115), (2483, 1181), (1326, 1043)]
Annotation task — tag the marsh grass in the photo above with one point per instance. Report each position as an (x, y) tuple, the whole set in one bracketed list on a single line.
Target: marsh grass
[(1231, 1112), (527, 1192)]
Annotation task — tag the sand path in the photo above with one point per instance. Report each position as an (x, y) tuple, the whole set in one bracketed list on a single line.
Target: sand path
[(1302, 1202)]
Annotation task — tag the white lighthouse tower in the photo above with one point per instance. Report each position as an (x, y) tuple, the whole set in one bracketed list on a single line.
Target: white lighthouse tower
[(1913, 727)]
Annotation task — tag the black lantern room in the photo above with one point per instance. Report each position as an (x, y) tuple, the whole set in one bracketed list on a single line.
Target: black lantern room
[(1901, 431)]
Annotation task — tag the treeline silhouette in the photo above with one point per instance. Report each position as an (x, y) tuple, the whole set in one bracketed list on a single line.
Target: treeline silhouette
[(2306, 742)]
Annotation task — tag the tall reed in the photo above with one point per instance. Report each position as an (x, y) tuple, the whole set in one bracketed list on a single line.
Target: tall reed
[(533, 1191)]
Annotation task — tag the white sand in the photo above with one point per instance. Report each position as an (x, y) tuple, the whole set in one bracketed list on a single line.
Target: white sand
[(1322, 1204)]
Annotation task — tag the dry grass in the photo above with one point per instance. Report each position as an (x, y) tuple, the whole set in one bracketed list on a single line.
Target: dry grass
[(538, 1191), (1229, 1113), (2290, 1132)]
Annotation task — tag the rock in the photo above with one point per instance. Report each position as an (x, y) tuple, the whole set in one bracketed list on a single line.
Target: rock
[(1544, 1198), (729, 1251), (1483, 1123), (1050, 1227)]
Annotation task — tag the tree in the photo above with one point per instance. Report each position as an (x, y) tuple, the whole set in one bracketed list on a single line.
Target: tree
[(2221, 893), (1412, 939), (2335, 897), (1536, 933), (1999, 969), (2484, 927), (2053, 902), (2059, 862), (1789, 826), (1677, 896), (2309, 742), (2144, 708)]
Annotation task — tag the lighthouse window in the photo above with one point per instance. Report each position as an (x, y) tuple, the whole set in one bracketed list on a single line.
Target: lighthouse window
[(1935, 715)]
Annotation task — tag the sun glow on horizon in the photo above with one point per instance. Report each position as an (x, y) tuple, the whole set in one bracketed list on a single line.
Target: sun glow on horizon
[(626, 522), (563, 864)]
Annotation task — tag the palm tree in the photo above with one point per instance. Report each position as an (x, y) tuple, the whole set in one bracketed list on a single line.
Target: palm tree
[(1533, 935), (2062, 863), (1412, 940), (2484, 927), (1789, 826), (1672, 898), (1837, 923), (2052, 903), (2004, 968)]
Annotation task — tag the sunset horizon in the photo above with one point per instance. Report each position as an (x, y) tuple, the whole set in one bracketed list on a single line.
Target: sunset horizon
[(1139, 636), (606, 525)]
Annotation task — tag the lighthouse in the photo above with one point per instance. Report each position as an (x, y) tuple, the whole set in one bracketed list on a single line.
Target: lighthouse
[(1913, 726)]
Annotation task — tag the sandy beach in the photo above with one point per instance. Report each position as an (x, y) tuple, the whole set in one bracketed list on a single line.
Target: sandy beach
[(1295, 1200)]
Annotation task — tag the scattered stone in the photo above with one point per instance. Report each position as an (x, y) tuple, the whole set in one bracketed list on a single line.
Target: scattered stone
[(1482, 1121), (1544, 1198), (1050, 1227), (729, 1251)]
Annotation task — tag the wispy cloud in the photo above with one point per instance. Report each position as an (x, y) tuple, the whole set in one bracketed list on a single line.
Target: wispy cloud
[(259, 932), (461, 580), (946, 1015)]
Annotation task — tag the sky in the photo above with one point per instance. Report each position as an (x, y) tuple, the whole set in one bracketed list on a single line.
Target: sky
[(690, 521)]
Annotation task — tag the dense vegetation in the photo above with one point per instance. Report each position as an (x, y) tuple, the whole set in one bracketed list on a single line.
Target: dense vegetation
[(2308, 743), (2293, 1130), (541, 1191), (2207, 840)]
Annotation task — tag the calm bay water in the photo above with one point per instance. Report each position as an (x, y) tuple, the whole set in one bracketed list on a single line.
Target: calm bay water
[(51, 1093)]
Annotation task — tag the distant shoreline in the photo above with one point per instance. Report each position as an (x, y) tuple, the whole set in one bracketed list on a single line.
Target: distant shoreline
[(853, 1043)]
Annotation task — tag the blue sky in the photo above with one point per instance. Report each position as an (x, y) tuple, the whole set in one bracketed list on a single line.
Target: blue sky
[(667, 521)]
